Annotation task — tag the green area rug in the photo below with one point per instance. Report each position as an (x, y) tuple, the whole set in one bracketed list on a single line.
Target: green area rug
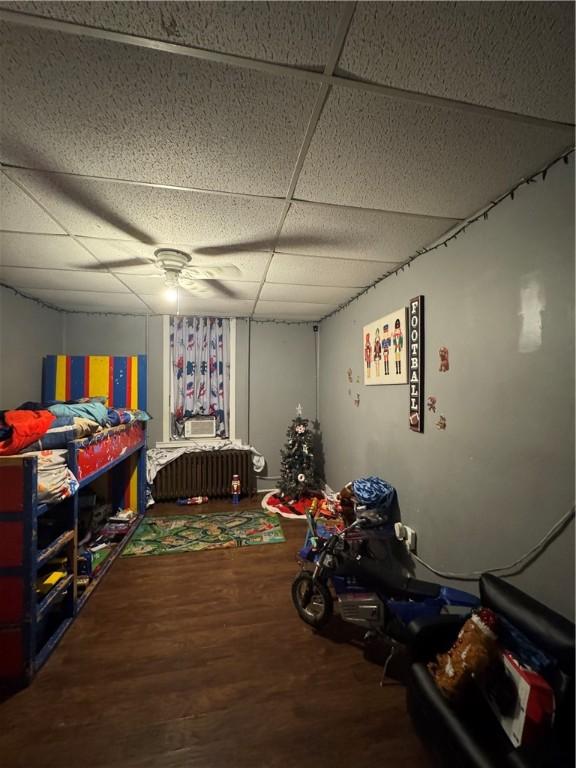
[(168, 535)]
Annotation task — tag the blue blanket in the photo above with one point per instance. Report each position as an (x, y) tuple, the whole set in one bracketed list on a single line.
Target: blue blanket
[(95, 411)]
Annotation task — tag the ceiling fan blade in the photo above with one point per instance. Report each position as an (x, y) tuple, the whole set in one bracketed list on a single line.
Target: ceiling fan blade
[(208, 272), (222, 289), (247, 245), (293, 243), (72, 189), (200, 288), (112, 265)]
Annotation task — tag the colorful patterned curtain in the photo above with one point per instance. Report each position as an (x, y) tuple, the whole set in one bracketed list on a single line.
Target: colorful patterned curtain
[(200, 359)]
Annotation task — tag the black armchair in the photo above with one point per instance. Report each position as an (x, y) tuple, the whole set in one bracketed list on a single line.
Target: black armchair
[(469, 735)]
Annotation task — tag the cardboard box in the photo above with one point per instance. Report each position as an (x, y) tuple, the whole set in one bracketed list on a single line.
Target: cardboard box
[(523, 701)]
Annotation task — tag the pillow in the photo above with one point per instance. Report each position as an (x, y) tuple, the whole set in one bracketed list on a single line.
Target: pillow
[(473, 652)]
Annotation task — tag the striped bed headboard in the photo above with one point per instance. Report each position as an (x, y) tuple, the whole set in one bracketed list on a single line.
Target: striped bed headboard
[(121, 380)]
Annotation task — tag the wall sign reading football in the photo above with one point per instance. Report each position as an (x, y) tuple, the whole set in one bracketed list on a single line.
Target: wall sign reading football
[(416, 362)]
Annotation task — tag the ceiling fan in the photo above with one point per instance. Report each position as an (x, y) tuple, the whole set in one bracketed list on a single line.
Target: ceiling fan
[(177, 273), (173, 264)]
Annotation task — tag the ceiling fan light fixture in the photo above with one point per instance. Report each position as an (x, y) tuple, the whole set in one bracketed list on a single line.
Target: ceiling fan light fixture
[(171, 294), (171, 278)]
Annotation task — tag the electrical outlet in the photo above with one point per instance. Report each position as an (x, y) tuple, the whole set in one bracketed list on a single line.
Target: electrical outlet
[(407, 535), (410, 538), (400, 531)]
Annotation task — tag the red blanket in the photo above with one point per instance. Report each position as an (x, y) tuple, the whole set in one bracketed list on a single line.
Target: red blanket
[(27, 426), (296, 508)]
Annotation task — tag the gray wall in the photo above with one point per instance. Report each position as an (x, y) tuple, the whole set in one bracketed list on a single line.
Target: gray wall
[(87, 334), (481, 493), (242, 378), (155, 354), (282, 374), (28, 331)]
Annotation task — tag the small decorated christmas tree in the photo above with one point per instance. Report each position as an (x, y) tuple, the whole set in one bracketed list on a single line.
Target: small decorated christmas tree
[(298, 467)]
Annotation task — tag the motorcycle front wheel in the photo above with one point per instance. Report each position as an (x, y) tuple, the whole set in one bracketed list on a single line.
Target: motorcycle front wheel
[(312, 600)]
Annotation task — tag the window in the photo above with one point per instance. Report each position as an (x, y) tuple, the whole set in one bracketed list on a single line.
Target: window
[(200, 375)]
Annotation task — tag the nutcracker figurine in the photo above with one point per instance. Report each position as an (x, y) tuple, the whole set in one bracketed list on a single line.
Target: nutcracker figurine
[(398, 341), (386, 341), (235, 489), (368, 355)]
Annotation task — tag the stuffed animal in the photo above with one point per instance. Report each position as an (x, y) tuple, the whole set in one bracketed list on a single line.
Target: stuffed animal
[(346, 499), (473, 652)]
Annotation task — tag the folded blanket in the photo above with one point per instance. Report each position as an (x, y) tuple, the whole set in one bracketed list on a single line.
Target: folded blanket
[(55, 481), (85, 427), (27, 426), (93, 410), (63, 430)]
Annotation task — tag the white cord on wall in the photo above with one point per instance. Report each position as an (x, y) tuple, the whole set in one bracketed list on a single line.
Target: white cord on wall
[(474, 575)]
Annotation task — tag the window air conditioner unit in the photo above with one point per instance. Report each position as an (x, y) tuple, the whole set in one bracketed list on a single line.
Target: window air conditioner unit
[(200, 426)]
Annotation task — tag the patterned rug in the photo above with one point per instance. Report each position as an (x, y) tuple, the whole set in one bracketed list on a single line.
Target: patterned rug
[(168, 535)]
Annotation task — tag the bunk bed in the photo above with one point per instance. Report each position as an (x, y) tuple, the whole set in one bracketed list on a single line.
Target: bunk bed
[(39, 540)]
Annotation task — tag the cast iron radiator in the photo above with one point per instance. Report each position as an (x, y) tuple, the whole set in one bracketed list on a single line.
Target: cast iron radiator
[(206, 473)]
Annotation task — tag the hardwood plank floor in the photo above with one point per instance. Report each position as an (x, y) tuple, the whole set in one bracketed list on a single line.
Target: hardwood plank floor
[(199, 660)]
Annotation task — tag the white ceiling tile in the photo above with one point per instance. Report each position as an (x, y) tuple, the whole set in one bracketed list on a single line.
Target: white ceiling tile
[(85, 301), (251, 265), (314, 294), (191, 305), (513, 56), (272, 310), (297, 33), (21, 214), (310, 270), (47, 251), (21, 277), (401, 156), (93, 107), (120, 256), (150, 215), (353, 233)]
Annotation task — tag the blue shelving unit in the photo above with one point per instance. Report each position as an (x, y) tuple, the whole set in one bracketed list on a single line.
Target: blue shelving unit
[(32, 625)]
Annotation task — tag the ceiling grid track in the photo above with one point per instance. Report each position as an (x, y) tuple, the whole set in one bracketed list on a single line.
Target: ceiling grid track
[(334, 55), (282, 70), (214, 192)]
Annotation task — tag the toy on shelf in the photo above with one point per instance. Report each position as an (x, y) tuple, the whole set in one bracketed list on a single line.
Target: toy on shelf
[(235, 489), (45, 583)]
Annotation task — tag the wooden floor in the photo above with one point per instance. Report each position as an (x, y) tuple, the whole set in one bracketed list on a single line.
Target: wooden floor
[(199, 659)]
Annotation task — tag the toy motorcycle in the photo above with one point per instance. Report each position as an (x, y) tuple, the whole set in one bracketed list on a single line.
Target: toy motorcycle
[(368, 591)]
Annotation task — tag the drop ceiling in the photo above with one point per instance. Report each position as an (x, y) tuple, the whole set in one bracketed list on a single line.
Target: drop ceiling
[(298, 151)]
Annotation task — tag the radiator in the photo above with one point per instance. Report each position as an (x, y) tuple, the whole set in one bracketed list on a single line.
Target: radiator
[(204, 474)]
